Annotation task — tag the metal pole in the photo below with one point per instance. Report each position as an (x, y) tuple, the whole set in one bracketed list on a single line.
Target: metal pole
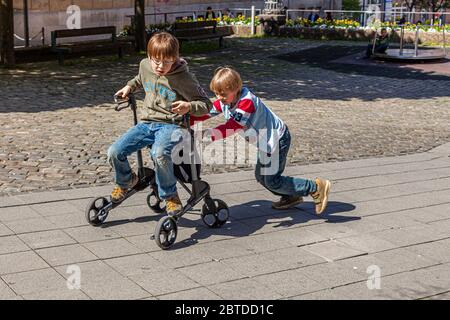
[(416, 41), (25, 23), (443, 41), (401, 40), (374, 41), (253, 20)]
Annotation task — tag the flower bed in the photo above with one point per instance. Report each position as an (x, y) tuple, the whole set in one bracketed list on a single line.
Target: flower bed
[(355, 25), (225, 21), (344, 29)]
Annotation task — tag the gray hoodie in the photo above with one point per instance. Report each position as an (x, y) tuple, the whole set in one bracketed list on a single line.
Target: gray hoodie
[(161, 91)]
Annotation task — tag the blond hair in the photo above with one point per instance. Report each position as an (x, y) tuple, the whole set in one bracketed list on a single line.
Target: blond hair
[(225, 79), (163, 45)]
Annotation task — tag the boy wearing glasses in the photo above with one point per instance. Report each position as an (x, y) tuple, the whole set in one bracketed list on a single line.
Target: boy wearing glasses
[(170, 92), (246, 113)]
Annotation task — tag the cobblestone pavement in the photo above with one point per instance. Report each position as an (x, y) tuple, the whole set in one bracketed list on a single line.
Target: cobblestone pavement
[(57, 122)]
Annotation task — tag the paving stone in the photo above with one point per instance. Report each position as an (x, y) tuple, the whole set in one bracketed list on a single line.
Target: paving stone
[(5, 291), (68, 254), (248, 289), (136, 264), (333, 230), (192, 294), (97, 274), (112, 248), (436, 251), (442, 296), (89, 233), (20, 261), (400, 260), (260, 243), (36, 281), (120, 289), (367, 243), (289, 283), (297, 237), (17, 213), (219, 250), (361, 291), (144, 243), (57, 295), (5, 231), (30, 225), (56, 208), (332, 274), (68, 220), (254, 264), (333, 250), (442, 227), (46, 239), (420, 283), (11, 244), (211, 273), (185, 256), (409, 235), (160, 283)]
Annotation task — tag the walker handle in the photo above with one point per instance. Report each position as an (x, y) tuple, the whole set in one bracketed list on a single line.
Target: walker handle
[(123, 103)]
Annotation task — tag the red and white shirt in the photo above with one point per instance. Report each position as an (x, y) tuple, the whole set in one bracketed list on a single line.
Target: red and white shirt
[(250, 116)]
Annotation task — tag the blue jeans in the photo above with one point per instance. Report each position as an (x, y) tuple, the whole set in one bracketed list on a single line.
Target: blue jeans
[(275, 182), (163, 137)]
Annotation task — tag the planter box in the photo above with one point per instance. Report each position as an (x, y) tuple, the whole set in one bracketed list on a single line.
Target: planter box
[(241, 30), (357, 34)]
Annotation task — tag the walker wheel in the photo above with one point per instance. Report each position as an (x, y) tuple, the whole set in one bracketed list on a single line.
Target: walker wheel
[(154, 203), (166, 232), (95, 214), (217, 216)]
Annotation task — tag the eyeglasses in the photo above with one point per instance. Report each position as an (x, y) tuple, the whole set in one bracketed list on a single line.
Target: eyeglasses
[(165, 62)]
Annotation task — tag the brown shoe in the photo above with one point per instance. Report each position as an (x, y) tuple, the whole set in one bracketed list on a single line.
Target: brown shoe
[(287, 202), (173, 205), (119, 194), (321, 195)]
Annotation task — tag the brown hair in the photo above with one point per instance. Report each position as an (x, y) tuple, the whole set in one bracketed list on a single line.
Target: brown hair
[(163, 45), (225, 79)]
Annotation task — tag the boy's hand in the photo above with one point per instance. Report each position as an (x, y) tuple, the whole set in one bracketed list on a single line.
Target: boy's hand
[(123, 93), (181, 107)]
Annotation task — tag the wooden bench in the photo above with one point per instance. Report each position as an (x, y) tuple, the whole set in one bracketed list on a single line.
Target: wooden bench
[(198, 30), (104, 46)]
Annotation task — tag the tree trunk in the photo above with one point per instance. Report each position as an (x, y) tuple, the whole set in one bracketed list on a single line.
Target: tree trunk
[(7, 32), (139, 20)]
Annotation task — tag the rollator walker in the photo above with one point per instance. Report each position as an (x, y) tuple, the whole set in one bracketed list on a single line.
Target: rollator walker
[(214, 212)]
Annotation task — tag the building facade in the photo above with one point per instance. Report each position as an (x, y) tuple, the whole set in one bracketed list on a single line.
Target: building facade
[(59, 14)]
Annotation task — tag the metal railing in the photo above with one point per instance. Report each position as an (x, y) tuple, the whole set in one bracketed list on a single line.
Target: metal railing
[(27, 43), (365, 16), (167, 17)]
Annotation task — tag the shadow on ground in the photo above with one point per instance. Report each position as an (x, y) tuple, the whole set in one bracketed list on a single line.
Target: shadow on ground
[(325, 57), (242, 223), (93, 81)]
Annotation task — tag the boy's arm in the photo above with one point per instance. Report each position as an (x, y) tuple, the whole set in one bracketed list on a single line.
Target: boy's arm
[(215, 111), (136, 82), (238, 121), (196, 96)]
